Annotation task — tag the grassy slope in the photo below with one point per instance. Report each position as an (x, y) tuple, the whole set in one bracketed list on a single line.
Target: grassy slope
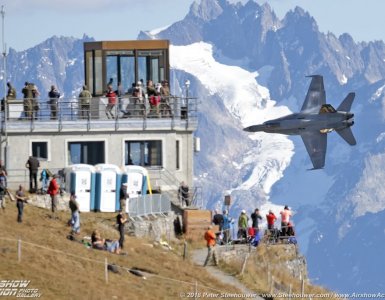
[(270, 260), (60, 276)]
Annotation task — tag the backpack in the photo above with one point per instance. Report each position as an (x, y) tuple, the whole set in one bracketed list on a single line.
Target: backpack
[(292, 240)]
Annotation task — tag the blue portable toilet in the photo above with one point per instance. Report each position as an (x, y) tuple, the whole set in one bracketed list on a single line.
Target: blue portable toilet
[(137, 180), (108, 179), (80, 179)]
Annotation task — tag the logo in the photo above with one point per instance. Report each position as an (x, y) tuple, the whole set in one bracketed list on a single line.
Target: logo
[(18, 289)]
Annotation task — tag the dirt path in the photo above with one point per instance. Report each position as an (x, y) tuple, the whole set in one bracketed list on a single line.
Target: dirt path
[(199, 256)]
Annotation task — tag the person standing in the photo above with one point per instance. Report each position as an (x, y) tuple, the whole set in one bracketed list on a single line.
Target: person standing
[(270, 220), (121, 220), (123, 196), (11, 94), (218, 219), (53, 190), (20, 200), (85, 102), (120, 93), (27, 102), (285, 219), (111, 96), (211, 251), (3, 188), (183, 193), (226, 226), (165, 99), (2, 168), (44, 178), (33, 165), (242, 225), (75, 216), (255, 217), (35, 101), (54, 96)]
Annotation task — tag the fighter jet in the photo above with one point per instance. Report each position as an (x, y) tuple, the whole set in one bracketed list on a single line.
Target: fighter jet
[(315, 120)]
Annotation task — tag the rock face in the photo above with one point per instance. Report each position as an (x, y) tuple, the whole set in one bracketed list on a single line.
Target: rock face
[(57, 61)]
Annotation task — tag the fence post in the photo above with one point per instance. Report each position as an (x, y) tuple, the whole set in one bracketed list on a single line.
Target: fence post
[(289, 295), (169, 233), (244, 263), (106, 269), (184, 250), (19, 250), (302, 287)]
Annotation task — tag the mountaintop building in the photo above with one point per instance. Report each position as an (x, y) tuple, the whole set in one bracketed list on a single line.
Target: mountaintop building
[(134, 130)]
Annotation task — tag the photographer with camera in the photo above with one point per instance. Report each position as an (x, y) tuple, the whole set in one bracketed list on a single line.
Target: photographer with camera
[(54, 96)]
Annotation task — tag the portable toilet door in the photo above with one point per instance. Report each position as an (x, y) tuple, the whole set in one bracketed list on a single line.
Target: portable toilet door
[(80, 179), (136, 179), (107, 187)]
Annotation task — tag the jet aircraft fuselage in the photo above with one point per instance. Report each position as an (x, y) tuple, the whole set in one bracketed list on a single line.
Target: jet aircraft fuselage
[(314, 121), (298, 123)]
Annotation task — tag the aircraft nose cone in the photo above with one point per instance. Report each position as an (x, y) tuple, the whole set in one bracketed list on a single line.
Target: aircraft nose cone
[(254, 128), (247, 129)]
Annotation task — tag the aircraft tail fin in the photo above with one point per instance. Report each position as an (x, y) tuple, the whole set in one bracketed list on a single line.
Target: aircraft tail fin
[(347, 135), (347, 103)]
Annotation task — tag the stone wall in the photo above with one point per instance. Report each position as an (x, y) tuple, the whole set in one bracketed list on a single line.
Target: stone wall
[(153, 227), (44, 201)]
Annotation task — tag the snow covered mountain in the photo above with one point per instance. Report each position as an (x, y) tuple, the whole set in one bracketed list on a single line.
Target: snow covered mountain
[(249, 66), (246, 66), (57, 61)]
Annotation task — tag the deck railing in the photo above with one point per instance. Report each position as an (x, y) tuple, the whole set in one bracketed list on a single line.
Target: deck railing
[(126, 108), (149, 205)]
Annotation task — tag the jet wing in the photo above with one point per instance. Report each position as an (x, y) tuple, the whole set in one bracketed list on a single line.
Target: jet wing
[(315, 95), (316, 143)]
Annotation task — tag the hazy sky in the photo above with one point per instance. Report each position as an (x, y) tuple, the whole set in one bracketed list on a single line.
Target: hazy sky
[(29, 22)]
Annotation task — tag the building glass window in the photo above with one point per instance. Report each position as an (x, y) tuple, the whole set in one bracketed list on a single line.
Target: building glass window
[(150, 65), (121, 68), (143, 153), (112, 71), (127, 71), (91, 153), (40, 150)]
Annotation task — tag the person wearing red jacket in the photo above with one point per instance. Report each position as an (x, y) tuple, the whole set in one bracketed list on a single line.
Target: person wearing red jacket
[(53, 190), (111, 101), (270, 220), (211, 241)]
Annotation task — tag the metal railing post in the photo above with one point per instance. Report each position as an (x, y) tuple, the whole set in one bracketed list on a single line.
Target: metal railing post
[(116, 115)]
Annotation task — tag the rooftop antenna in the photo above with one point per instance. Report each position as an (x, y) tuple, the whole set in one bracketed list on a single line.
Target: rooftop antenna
[(4, 47)]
